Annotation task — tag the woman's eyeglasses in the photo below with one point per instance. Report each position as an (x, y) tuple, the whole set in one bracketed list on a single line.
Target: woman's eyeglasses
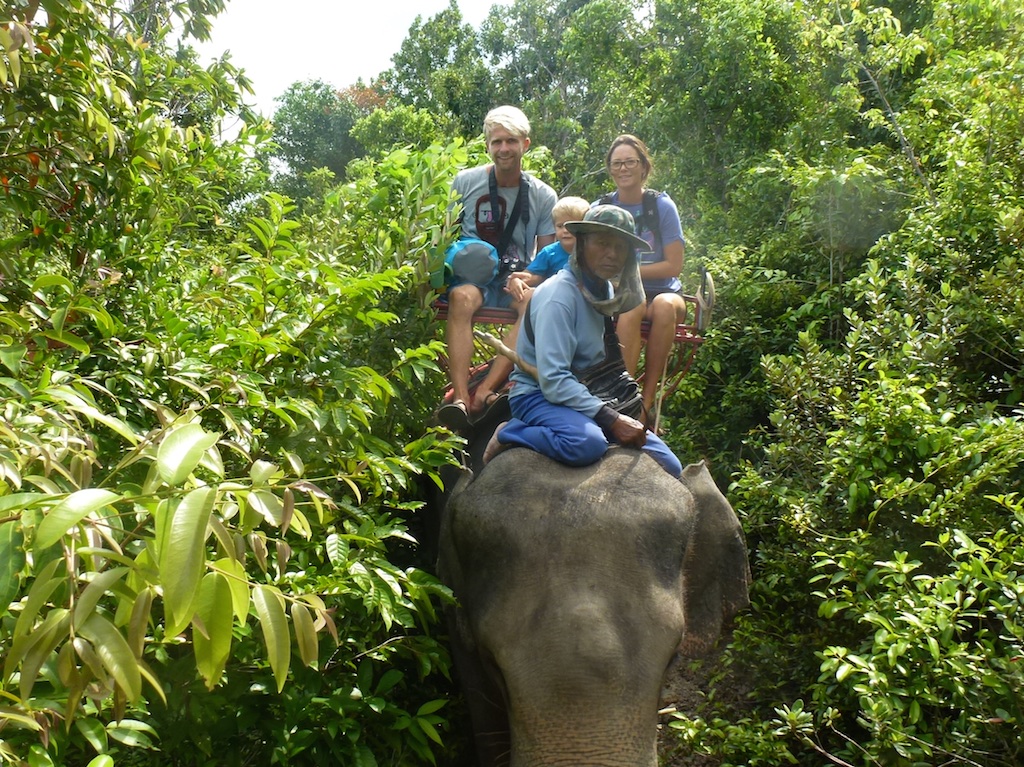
[(627, 164)]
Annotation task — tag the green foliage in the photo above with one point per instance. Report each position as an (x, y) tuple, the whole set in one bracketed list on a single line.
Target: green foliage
[(176, 527), (401, 126), (312, 127), (198, 514), (440, 69)]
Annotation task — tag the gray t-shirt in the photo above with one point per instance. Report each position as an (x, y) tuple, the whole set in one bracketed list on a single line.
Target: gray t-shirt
[(480, 220)]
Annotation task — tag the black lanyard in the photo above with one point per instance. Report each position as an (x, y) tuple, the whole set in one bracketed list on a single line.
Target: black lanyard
[(513, 219)]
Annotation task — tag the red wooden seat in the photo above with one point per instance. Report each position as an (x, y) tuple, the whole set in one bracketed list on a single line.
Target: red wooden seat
[(688, 332)]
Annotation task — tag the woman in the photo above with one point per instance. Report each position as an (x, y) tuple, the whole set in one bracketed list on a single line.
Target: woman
[(629, 165), (552, 412)]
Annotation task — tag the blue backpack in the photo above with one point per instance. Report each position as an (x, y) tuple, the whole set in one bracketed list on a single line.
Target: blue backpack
[(467, 260)]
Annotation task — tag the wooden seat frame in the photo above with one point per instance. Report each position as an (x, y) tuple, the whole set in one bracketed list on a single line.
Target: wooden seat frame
[(688, 337)]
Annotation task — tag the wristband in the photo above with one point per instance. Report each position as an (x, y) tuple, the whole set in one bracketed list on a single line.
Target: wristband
[(606, 416)]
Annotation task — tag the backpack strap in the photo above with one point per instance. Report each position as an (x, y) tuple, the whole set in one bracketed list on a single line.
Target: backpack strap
[(649, 219)]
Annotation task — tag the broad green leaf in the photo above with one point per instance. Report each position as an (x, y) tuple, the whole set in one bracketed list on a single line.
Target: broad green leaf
[(337, 549), (388, 680), (154, 683), (213, 607), (132, 733), (138, 623), (67, 339), (17, 387), (181, 450), (429, 731), (98, 586), (114, 652), (79, 404), (267, 505), (50, 280), (15, 717), (213, 462), (12, 355), (36, 647), (262, 472), (103, 760), (44, 585), (70, 512), (38, 757), (93, 731), (238, 582), (270, 611), (182, 555), (431, 706), (12, 560), (305, 634)]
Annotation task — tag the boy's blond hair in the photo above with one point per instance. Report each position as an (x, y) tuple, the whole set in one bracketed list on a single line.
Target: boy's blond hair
[(570, 209)]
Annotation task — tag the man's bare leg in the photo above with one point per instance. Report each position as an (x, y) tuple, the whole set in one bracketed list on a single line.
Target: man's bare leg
[(463, 301), (502, 366)]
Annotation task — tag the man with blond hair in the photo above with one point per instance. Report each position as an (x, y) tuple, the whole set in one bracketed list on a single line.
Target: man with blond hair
[(494, 197)]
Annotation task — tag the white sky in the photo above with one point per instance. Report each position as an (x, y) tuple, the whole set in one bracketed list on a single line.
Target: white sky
[(279, 42)]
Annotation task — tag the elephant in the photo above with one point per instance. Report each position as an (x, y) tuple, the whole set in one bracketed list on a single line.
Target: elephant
[(576, 588)]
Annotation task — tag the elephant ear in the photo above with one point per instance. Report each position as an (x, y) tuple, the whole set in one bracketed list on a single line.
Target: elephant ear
[(716, 574)]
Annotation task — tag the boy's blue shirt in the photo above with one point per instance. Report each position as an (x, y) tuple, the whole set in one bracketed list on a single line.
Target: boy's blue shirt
[(549, 260)]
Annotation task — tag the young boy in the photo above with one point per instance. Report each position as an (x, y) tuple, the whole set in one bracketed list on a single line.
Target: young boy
[(556, 255), (545, 264)]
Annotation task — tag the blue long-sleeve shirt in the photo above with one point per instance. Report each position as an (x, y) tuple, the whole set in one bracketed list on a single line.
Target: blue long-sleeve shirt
[(568, 333)]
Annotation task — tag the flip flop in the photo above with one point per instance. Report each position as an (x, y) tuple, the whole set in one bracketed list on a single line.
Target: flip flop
[(491, 401), (454, 415)]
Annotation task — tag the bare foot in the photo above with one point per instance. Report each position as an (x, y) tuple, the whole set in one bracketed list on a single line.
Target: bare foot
[(493, 445)]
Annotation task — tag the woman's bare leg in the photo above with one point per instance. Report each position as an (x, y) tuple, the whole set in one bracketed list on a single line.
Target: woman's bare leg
[(664, 313), (628, 330)]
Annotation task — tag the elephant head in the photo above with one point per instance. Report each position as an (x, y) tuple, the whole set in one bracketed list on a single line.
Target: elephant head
[(577, 587)]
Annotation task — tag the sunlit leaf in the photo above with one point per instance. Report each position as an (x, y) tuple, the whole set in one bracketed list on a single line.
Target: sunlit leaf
[(183, 555), (267, 505), (115, 654), (274, 625), (98, 586), (70, 512), (93, 731), (181, 450), (132, 733), (12, 560), (305, 634), (237, 579), (214, 609)]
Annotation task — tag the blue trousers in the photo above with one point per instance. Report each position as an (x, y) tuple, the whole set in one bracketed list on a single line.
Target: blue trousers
[(568, 436)]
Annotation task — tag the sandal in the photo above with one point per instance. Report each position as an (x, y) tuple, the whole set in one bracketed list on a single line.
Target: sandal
[(490, 401), (454, 415)]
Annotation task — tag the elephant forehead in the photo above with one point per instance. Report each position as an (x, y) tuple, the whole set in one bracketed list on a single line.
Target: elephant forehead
[(619, 490), (537, 517)]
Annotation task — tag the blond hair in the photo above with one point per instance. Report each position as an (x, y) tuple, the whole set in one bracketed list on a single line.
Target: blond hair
[(570, 209), (512, 119)]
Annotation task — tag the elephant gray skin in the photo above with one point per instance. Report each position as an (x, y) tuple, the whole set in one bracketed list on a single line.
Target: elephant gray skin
[(577, 588)]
